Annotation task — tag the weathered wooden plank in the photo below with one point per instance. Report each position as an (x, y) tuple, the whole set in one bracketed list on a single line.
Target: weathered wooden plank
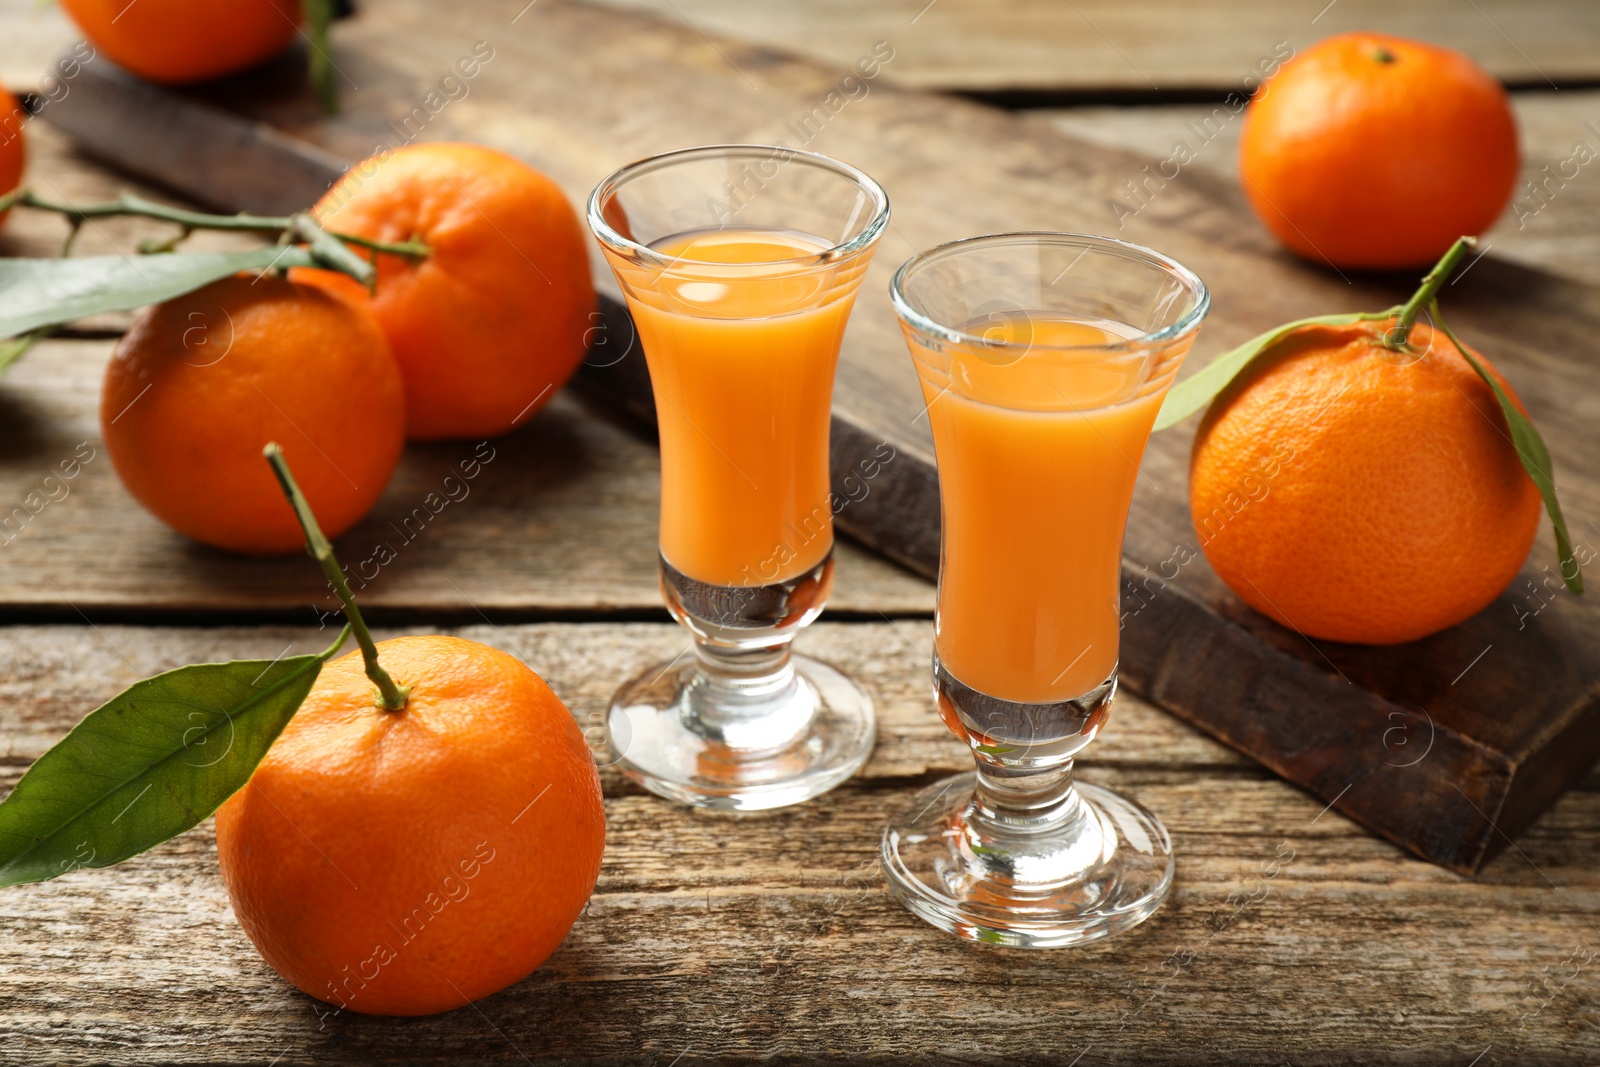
[(51, 675), (1093, 46), (1549, 225), (711, 939), (31, 37), (561, 518), (1502, 748), (1154, 46)]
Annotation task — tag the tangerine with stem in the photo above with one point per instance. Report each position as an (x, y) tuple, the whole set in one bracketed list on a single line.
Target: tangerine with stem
[(497, 317), (1367, 478), (426, 829)]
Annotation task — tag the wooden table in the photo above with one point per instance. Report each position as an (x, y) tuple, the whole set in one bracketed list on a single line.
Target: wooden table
[(714, 940)]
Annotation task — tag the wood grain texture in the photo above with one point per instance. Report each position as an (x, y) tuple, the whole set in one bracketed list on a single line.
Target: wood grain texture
[(1504, 749), (1188, 642), (33, 36), (1154, 46), (954, 169), (723, 941), (710, 940)]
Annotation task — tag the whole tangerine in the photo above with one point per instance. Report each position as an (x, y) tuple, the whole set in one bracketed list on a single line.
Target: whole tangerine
[(1356, 493), (201, 382), (179, 41), (1368, 151), (494, 320), (408, 862)]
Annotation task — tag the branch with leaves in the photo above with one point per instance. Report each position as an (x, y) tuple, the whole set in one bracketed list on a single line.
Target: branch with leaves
[(37, 295)]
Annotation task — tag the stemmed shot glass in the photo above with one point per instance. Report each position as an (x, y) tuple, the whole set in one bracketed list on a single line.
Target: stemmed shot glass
[(1043, 359), (740, 264)]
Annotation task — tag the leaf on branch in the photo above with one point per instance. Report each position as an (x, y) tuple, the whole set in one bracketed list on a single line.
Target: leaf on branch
[(149, 764), (47, 292), (1195, 392)]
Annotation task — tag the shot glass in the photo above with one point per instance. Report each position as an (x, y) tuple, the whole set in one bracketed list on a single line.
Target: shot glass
[(740, 264), (1043, 359)]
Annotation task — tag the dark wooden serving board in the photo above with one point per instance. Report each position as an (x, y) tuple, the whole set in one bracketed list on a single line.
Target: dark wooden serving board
[(1448, 747)]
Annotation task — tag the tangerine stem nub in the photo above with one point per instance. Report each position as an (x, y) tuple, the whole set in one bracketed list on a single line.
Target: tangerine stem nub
[(1397, 336), (391, 697)]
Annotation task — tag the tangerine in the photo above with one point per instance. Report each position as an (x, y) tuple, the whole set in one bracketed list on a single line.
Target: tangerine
[(1376, 152), (1357, 493), (408, 862), (178, 41), (13, 152), (201, 382), (495, 318)]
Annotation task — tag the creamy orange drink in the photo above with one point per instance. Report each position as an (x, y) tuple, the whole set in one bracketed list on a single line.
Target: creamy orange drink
[(1044, 359), (742, 330), (1039, 447), (740, 264)]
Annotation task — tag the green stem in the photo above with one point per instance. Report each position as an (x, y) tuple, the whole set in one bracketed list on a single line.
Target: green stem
[(328, 653), (329, 249), (129, 204), (319, 16), (1399, 334), (391, 697), (410, 249)]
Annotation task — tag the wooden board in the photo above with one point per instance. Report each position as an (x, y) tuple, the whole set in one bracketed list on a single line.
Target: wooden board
[(1489, 747), (1042, 49), (722, 941)]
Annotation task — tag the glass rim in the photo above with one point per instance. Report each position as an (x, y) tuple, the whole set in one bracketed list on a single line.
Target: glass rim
[(613, 181), (1188, 323)]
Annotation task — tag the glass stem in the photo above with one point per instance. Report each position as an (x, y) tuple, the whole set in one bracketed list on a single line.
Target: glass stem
[(747, 698), (1024, 799)]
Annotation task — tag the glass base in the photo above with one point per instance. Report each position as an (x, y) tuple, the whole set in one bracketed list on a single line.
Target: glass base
[(805, 740), (1106, 869)]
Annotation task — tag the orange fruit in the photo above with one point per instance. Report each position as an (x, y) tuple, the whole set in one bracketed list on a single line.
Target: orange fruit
[(1369, 151), (492, 323), (203, 381), (13, 152), (176, 41), (408, 862), (1355, 493)]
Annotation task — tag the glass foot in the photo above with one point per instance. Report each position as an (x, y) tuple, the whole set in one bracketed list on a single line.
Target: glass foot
[(1105, 868), (795, 741)]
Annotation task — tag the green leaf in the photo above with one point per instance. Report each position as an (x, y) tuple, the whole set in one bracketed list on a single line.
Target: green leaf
[(1532, 452), (149, 764), (14, 348), (1198, 390), (46, 292)]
